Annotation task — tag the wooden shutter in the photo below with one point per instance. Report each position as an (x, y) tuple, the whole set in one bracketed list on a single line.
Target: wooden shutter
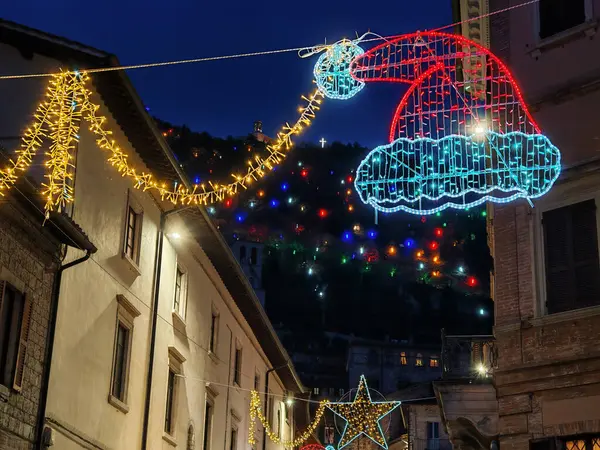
[(23, 342), (572, 263)]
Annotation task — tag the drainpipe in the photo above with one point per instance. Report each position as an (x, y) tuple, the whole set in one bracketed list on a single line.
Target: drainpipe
[(157, 272), (41, 417), (229, 383)]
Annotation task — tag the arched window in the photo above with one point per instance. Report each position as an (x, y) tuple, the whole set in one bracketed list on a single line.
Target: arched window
[(191, 438), (243, 254)]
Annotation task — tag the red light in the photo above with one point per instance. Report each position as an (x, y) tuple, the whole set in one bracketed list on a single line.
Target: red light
[(322, 213), (439, 232), (349, 178), (228, 203), (423, 219), (472, 281), (433, 245), (304, 173)]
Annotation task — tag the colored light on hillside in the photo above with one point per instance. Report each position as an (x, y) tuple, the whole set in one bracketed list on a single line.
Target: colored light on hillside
[(421, 266), (433, 245), (346, 236), (461, 269), (239, 217), (439, 232), (420, 254), (310, 271), (436, 259), (472, 281), (290, 200), (212, 210), (322, 213), (436, 273), (348, 191), (349, 178), (481, 312), (391, 250), (350, 208), (261, 193), (372, 234), (409, 243), (483, 213), (304, 173), (274, 203), (344, 260), (228, 203), (284, 186)]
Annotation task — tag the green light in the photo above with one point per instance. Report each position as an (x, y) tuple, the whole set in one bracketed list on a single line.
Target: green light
[(294, 252), (344, 260), (483, 213), (393, 272), (438, 214)]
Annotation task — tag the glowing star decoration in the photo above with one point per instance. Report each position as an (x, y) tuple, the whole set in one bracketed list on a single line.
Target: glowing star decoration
[(362, 416), (332, 71), (458, 138)]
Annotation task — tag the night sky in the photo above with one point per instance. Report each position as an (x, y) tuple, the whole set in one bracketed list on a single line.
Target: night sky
[(225, 97)]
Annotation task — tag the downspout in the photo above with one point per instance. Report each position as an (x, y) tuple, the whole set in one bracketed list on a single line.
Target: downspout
[(157, 272), (273, 369), (41, 418)]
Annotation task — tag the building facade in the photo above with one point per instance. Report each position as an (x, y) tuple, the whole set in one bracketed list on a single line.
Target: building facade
[(546, 260), (159, 337)]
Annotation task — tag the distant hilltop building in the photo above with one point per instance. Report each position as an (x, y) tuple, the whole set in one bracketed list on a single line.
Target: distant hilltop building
[(258, 133)]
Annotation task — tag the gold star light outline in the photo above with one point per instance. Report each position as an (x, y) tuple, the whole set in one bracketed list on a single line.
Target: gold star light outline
[(362, 416)]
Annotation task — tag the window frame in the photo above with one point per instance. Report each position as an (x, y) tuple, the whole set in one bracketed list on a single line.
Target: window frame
[(181, 309), (207, 426), (560, 199), (403, 359), (126, 313), (434, 361), (213, 338), (238, 357), (134, 205), (17, 336), (176, 360), (537, 22), (419, 360)]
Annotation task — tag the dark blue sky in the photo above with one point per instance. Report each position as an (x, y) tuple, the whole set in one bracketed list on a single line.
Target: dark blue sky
[(225, 97)]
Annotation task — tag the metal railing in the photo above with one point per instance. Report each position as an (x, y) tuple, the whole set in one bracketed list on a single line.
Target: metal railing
[(468, 356)]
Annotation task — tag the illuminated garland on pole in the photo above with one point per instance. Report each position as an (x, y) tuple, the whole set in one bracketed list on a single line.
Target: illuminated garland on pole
[(256, 413), (58, 119)]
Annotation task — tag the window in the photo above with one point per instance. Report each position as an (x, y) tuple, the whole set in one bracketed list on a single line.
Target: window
[(208, 421), (403, 359), (556, 16), (233, 441), (179, 299), (341, 392), (419, 360), (126, 313), (571, 253), (329, 434), (279, 422), (237, 366), (316, 391), (120, 362), (214, 326), (433, 435), (170, 409), (15, 321), (133, 230), (253, 256), (434, 361), (176, 361), (271, 407), (256, 381), (243, 254)]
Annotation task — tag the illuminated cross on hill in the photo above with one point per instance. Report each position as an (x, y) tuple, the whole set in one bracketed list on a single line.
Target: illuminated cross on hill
[(322, 141)]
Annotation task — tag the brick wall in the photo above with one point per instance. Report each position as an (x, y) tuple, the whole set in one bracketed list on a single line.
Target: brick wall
[(26, 261)]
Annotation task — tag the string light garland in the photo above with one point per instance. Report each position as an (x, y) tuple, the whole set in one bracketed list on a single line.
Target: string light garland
[(456, 140), (256, 413), (59, 118), (363, 416)]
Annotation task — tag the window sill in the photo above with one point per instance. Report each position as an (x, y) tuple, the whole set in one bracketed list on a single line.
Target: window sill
[(586, 29), (4, 393), (169, 439), (118, 404), (131, 264), (565, 316), (177, 319), (213, 357)]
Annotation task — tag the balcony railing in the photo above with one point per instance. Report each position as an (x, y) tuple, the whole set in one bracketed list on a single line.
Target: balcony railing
[(429, 444), (468, 357)]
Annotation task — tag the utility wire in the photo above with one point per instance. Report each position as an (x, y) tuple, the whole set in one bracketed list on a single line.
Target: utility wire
[(315, 48)]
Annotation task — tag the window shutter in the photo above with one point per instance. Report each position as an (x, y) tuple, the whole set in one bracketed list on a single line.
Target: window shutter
[(24, 337), (572, 262)]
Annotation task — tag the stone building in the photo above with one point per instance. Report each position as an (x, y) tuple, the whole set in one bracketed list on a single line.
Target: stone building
[(546, 281), (159, 336), (30, 265)]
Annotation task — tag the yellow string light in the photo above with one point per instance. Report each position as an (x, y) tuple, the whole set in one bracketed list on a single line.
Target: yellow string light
[(256, 413), (59, 118)]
